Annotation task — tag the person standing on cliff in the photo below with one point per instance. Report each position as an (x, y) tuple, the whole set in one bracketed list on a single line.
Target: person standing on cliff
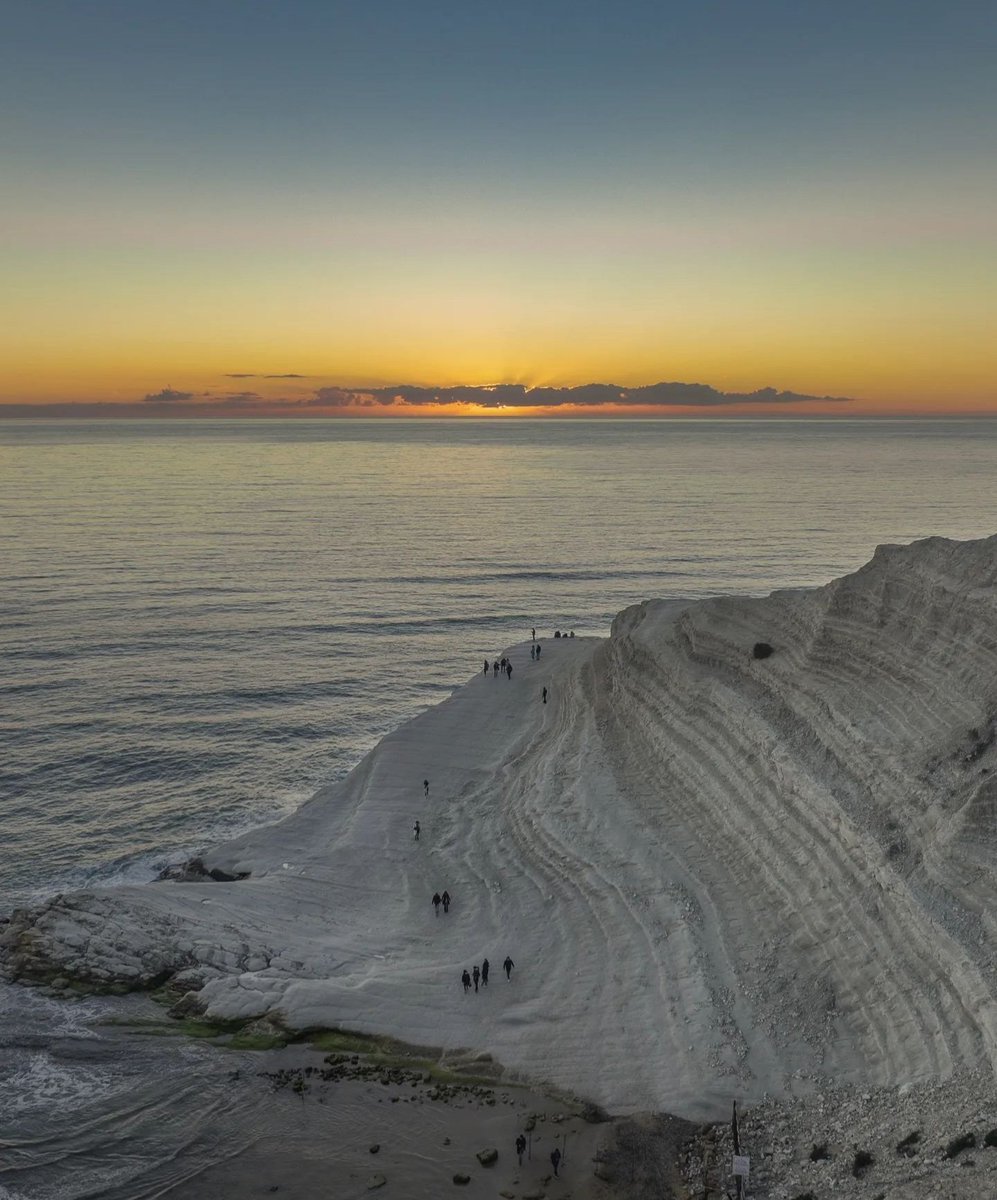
[(508, 669), (521, 1147), (446, 901), (437, 901), (533, 635), (425, 786), (486, 666), (507, 966), (555, 1159), (415, 830), (475, 975), (466, 981), (545, 695), (484, 971)]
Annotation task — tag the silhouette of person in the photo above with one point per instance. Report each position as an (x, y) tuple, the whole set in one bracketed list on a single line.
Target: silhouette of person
[(495, 669), (466, 981), (437, 902), (446, 901), (545, 695), (507, 966), (486, 666), (425, 786), (484, 971), (520, 1147), (533, 635), (415, 830), (538, 649), (475, 975), (533, 652), (508, 669), (555, 1159)]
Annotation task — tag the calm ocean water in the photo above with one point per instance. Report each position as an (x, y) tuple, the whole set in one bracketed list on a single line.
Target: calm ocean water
[(202, 622)]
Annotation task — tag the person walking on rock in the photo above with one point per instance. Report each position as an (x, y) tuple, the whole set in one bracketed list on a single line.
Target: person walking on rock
[(521, 1147), (425, 786), (475, 975), (437, 901), (466, 981), (486, 666), (415, 830), (555, 1159), (538, 649), (484, 971), (508, 669), (507, 967), (533, 635), (545, 695), (446, 901)]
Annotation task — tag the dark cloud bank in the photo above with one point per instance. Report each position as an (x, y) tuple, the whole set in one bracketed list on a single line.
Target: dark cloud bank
[(589, 395), (171, 402)]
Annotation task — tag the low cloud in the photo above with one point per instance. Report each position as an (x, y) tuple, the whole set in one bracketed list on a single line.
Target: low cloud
[(168, 395), (590, 395)]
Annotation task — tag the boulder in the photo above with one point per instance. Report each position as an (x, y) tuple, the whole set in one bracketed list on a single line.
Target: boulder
[(487, 1157)]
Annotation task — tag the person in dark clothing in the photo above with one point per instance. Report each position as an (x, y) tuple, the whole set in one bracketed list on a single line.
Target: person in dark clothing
[(446, 901), (507, 967), (475, 975), (425, 786), (486, 666), (415, 830), (466, 981), (533, 635), (545, 695), (484, 971), (538, 649), (495, 669), (437, 901), (555, 1159), (520, 1147), (508, 669), (533, 652)]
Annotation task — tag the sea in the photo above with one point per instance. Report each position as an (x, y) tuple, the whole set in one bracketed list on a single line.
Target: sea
[(201, 622)]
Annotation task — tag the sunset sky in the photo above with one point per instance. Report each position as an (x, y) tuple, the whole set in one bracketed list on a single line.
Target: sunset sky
[(309, 208)]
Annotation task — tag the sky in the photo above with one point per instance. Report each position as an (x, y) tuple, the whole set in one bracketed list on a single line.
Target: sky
[(391, 208)]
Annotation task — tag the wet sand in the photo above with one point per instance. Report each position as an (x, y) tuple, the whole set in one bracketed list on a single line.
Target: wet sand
[(319, 1139)]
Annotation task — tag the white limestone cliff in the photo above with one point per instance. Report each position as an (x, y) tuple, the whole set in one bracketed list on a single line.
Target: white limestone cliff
[(717, 874)]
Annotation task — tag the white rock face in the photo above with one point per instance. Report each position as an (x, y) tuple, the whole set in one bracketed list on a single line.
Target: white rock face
[(718, 875)]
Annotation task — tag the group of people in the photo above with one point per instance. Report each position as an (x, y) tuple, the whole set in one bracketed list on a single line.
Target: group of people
[(444, 900), (555, 1154), (504, 665), (481, 976)]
